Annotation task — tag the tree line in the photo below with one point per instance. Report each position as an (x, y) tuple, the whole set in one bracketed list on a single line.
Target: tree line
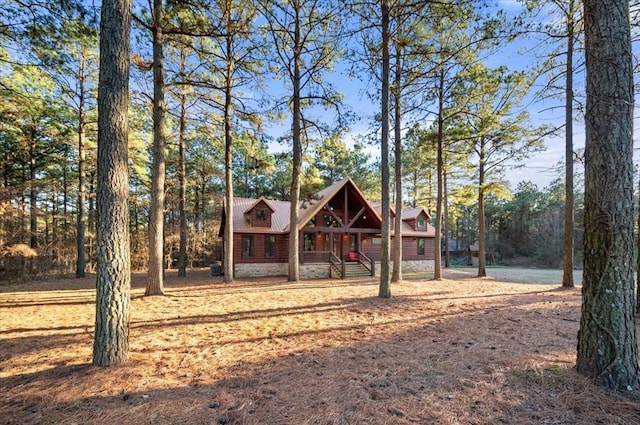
[(199, 108), (73, 133)]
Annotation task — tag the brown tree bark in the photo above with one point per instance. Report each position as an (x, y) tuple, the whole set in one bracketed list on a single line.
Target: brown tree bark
[(445, 218), (294, 238), (81, 261), (113, 281), (155, 275), (182, 176), (384, 290), (607, 345), (437, 263), (567, 253), (33, 194), (482, 269), (228, 151), (396, 275)]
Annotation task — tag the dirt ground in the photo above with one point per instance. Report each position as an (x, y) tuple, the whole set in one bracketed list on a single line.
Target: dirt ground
[(458, 351)]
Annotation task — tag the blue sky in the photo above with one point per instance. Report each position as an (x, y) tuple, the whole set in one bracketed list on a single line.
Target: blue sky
[(541, 168)]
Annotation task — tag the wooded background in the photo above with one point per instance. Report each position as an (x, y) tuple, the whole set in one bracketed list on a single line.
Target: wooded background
[(48, 124)]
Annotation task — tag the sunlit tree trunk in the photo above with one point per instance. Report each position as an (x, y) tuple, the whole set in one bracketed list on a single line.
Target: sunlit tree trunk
[(445, 218), (396, 275), (81, 260), (607, 344), (113, 281), (437, 268), (385, 285), (482, 270), (228, 157), (155, 275), (567, 254), (294, 239), (33, 194), (182, 176)]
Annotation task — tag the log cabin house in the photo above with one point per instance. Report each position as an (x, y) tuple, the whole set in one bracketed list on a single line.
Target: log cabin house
[(339, 235)]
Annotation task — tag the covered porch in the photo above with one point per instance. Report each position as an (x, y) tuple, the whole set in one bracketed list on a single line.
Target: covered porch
[(347, 251)]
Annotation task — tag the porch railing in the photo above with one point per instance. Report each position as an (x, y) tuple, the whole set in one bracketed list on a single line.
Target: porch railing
[(367, 262), (336, 264)]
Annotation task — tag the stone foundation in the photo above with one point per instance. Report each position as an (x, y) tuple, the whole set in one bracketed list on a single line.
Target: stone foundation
[(318, 270), (415, 266), (314, 271), (261, 269)]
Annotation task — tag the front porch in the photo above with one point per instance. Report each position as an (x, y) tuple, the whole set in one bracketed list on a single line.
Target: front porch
[(342, 250)]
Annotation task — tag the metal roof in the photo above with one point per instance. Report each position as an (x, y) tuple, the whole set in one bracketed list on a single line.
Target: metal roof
[(281, 212)]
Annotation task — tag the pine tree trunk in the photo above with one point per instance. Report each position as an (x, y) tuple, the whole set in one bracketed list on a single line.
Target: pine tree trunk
[(437, 266), (445, 218), (81, 260), (482, 270), (567, 254), (182, 176), (294, 239), (155, 276), (111, 343), (228, 168), (607, 345), (396, 275), (65, 202), (33, 195), (385, 285)]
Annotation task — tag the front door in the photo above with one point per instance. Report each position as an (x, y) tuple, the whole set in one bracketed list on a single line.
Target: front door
[(353, 243), (336, 246)]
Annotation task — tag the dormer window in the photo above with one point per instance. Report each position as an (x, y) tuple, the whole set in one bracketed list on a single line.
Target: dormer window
[(259, 214), (421, 222)]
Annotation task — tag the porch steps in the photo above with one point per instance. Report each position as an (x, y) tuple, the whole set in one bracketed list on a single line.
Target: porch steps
[(355, 270)]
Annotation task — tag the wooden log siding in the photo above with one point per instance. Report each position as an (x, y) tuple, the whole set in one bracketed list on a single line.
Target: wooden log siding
[(281, 255), (409, 248), (371, 250)]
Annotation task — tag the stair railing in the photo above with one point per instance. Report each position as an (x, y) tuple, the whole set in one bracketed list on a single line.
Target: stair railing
[(336, 263), (367, 262)]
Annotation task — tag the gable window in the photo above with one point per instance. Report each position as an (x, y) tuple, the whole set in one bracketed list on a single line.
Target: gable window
[(421, 222), (247, 245), (270, 246), (420, 246), (330, 221), (261, 215), (309, 242)]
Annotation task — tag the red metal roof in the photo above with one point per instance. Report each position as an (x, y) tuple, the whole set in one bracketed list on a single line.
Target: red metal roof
[(281, 211)]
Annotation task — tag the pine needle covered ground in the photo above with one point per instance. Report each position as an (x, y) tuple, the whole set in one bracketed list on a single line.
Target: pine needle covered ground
[(458, 351)]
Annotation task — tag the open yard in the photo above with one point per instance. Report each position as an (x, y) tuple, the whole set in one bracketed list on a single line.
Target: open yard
[(458, 351)]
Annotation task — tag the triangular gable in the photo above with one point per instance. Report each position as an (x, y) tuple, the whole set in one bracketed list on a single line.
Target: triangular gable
[(261, 199), (325, 196), (414, 213), (308, 209)]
